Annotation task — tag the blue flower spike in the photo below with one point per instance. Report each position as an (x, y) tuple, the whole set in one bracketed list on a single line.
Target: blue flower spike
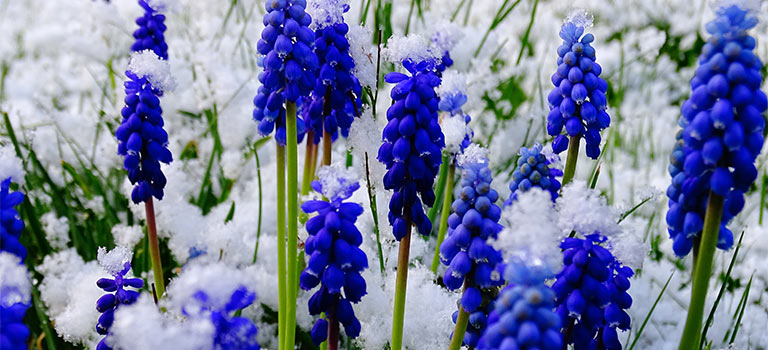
[(335, 258), (577, 104), (522, 316), (722, 131), (591, 294), (151, 32), (535, 168), (231, 332), (117, 263), (11, 221), (15, 299)]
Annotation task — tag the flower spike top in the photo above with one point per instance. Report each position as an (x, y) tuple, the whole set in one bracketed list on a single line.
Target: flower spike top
[(141, 138), (522, 316), (15, 289), (11, 223), (412, 138), (535, 169), (117, 263), (335, 259), (578, 102), (591, 293), (722, 130), (289, 65), (336, 95), (150, 35)]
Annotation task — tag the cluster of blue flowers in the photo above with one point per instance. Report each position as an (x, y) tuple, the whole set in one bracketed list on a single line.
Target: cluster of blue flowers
[(578, 100), (231, 332), (14, 301), (335, 260), (289, 65), (336, 95), (412, 146), (141, 138), (722, 134), (116, 295), (533, 170), (150, 35), (478, 320), (11, 224), (13, 331), (591, 294), (523, 316)]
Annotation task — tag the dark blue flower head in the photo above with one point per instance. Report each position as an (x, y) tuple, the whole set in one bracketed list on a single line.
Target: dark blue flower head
[(15, 290), (231, 332), (289, 65), (534, 169), (412, 145), (335, 258), (722, 132), (10, 220), (522, 316), (117, 294), (141, 138), (150, 35), (336, 95), (577, 103), (591, 294)]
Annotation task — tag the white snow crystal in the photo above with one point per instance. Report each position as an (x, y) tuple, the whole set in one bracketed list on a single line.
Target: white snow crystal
[(114, 261), (56, 229), (629, 249), (752, 6), (336, 180), (452, 83), (363, 53), (454, 131), (580, 17), (147, 64), (472, 154), (326, 13), (126, 236), (10, 165), (14, 280), (585, 211), (414, 47), (164, 6), (552, 157), (446, 35), (217, 280)]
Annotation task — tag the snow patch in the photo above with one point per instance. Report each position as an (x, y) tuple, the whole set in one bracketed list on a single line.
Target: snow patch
[(580, 18), (326, 13), (413, 47), (14, 281), (10, 165), (114, 261), (158, 71), (472, 154)]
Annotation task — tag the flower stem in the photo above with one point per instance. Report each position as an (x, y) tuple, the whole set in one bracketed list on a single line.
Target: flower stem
[(573, 156), (461, 325), (400, 287), (440, 187), (702, 272), (308, 174), (292, 221), (333, 331), (154, 247), (447, 199), (374, 211), (281, 291), (327, 139), (258, 225)]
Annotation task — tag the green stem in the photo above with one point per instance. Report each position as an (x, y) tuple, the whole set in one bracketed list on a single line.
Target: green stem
[(154, 248), (400, 286), (702, 272), (447, 199), (461, 325), (292, 223), (440, 188), (573, 156), (281, 291), (258, 225), (374, 211), (307, 177)]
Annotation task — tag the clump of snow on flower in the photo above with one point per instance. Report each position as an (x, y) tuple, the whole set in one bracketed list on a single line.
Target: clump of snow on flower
[(628, 247), (336, 181), (326, 13), (363, 53), (164, 6), (56, 229), (10, 165), (127, 236), (531, 233), (114, 261), (217, 280), (452, 83), (414, 47), (446, 35), (752, 6), (472, 154), (158, 71), (579, 17), (585, 211), (142, 326), (14, 280), (454, 130), (552, 157)]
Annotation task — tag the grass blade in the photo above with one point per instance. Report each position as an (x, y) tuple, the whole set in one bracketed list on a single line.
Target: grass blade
[(711, 317), (650, 312)]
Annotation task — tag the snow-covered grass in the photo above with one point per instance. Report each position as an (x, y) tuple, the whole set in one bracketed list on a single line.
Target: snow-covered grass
[(62, 64)]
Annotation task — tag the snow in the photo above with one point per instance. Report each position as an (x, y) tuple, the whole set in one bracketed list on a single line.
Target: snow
[(114, 261), (127, 236), (585, 211), (447, 35), (413, 47), (452, 83), (579, 17), (336, 181), (472, 154), (363, 53), (164, 6), (217, 280), (752, 6), (158, 71), (56, 230), (14, 281), (10, 165), (326, 12), (454, 130)]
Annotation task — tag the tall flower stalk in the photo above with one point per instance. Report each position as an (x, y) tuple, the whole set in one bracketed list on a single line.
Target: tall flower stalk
[(721, 138), (578, 102), (289, 75), (411, 152)]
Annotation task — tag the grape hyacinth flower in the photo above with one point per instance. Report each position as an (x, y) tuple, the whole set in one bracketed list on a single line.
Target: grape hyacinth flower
[(11, 223), (577, 103), (150, 34), (591, 294), (534, 169), (15, 298), (471, 261), (117, 263), (477, 320), (522, 316), (231, 332), (335, 259)]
